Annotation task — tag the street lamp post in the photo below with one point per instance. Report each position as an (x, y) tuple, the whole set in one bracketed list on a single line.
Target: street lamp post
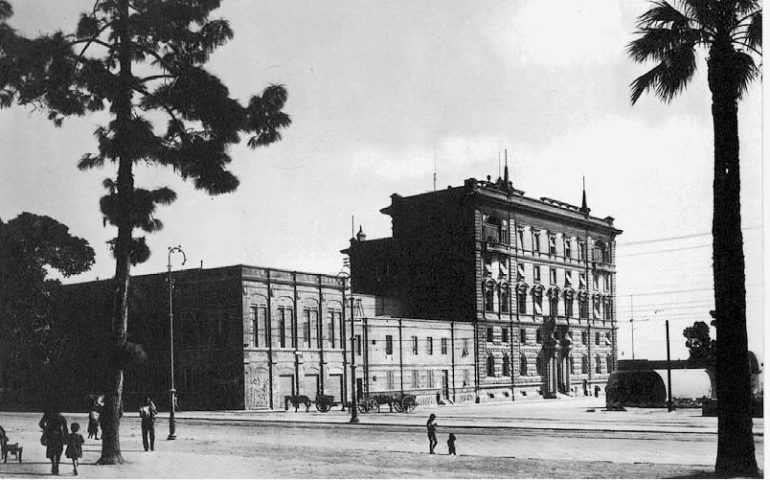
[(343, 276), (172, 391)]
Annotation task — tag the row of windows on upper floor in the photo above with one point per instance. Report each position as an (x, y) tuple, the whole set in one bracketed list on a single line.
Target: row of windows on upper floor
[(497, 264), (599, 337), (534, 240), (540, 364), (498, 300)]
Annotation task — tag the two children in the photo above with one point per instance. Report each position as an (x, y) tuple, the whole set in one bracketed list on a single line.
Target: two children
[(74, 446)]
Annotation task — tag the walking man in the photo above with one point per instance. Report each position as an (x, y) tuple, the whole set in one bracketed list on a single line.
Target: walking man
[(148, 412)]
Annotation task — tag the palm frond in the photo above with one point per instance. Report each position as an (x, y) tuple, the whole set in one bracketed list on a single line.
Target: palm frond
[(745, 7), (754, 32), (655, 43), (662, 14), (6, 10), (746, 71), (669, 77)]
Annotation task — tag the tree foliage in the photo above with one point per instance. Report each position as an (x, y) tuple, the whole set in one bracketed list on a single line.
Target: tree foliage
[(141, 61), (700, 344), (30, 247)]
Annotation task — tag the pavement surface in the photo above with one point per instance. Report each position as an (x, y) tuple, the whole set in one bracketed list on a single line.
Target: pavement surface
[(569, 438)]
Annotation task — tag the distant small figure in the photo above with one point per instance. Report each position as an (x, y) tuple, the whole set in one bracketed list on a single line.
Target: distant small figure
[(74, 446), (432, 432), (148, 412), (596, 391), (451, 444)]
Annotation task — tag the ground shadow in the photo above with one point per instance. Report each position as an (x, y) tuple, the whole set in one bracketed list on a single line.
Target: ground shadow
[(710, 474)]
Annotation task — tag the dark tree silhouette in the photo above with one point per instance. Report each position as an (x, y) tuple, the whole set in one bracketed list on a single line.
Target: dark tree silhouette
[(730, 32), (30, 246), (143, 60), (700, 344)]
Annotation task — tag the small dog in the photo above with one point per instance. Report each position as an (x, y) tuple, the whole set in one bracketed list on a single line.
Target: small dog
[(14, 449)]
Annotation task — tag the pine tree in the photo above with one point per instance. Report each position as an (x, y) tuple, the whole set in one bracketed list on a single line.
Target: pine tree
[(142, 60)]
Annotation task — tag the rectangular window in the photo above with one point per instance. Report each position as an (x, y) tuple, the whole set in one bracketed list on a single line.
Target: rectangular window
[(391, 380), (332, 336), (520, 270), (488, 264), (538, 301), (552, 276), (388, 344), (415, 348), (596, 282), (465, 347), (597, 309), (567, 247), (607, 309), (444, 346), (430, 378), (490, 334), (466, 378), (552, 244), (536, 273), (358, 345), (504, 299), (430, 345), (522, 302), (503, 267), (581, 250), (606, 283), (523, 336), (504, 336), (568, 303), (535, 241), (582, 281), (286, 320), (415, 379), (306, 326), (520, 238), (567, 279), (598, 338), (538, 336)]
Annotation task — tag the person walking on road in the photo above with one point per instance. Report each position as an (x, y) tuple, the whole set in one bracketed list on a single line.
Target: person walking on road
[(74, 446), (148, 412), (54, 427), (432, 432)]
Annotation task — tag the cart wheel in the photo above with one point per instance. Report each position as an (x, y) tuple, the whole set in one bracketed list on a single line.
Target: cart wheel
[(409, 404), (374, 406), (324, 407), (397, 406), (362, 407)]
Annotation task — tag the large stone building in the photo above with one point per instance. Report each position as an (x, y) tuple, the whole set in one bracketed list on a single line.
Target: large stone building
[(481, 294), (535, 278)]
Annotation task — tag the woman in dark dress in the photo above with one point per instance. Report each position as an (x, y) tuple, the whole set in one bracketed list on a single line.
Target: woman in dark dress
[(432, 432), (55, 430)]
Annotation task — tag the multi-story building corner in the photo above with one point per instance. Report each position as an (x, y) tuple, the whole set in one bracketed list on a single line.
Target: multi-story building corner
[(535, 277)]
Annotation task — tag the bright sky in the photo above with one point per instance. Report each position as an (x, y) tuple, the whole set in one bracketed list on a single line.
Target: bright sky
[(376, 90)]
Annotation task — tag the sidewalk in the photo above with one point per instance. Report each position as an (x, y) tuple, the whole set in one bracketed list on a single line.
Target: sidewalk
[(563, 414)]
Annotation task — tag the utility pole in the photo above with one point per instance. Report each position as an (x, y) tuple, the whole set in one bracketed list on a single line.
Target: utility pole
[(172, 390), (669, 403)]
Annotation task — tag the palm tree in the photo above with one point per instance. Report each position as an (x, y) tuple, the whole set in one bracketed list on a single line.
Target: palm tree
[(730, 33)]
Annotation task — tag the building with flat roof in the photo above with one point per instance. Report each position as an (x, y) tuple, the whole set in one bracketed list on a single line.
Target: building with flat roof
[(535, 277)]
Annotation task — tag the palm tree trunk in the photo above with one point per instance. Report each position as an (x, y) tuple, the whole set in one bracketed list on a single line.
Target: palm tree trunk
[(111, 453), (735, 450)]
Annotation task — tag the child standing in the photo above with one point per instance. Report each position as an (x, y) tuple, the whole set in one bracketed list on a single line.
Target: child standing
[(451, 444), (74, 446)]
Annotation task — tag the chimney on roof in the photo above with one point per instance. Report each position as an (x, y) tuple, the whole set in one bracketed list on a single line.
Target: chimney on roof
[(506, 179)]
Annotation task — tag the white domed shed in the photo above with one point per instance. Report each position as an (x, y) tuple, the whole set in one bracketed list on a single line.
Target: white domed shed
[(689, 383)]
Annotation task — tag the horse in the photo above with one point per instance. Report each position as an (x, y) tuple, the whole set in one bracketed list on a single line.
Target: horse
[(296, 400)]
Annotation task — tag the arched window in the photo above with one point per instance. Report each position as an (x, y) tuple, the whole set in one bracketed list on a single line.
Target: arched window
[(489, 298), (505, 298), (506, 366), (523, 365), (490, 366)]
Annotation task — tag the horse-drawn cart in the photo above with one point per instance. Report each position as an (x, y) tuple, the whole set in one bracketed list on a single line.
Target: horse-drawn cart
[(324, 403), (399, 403)]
